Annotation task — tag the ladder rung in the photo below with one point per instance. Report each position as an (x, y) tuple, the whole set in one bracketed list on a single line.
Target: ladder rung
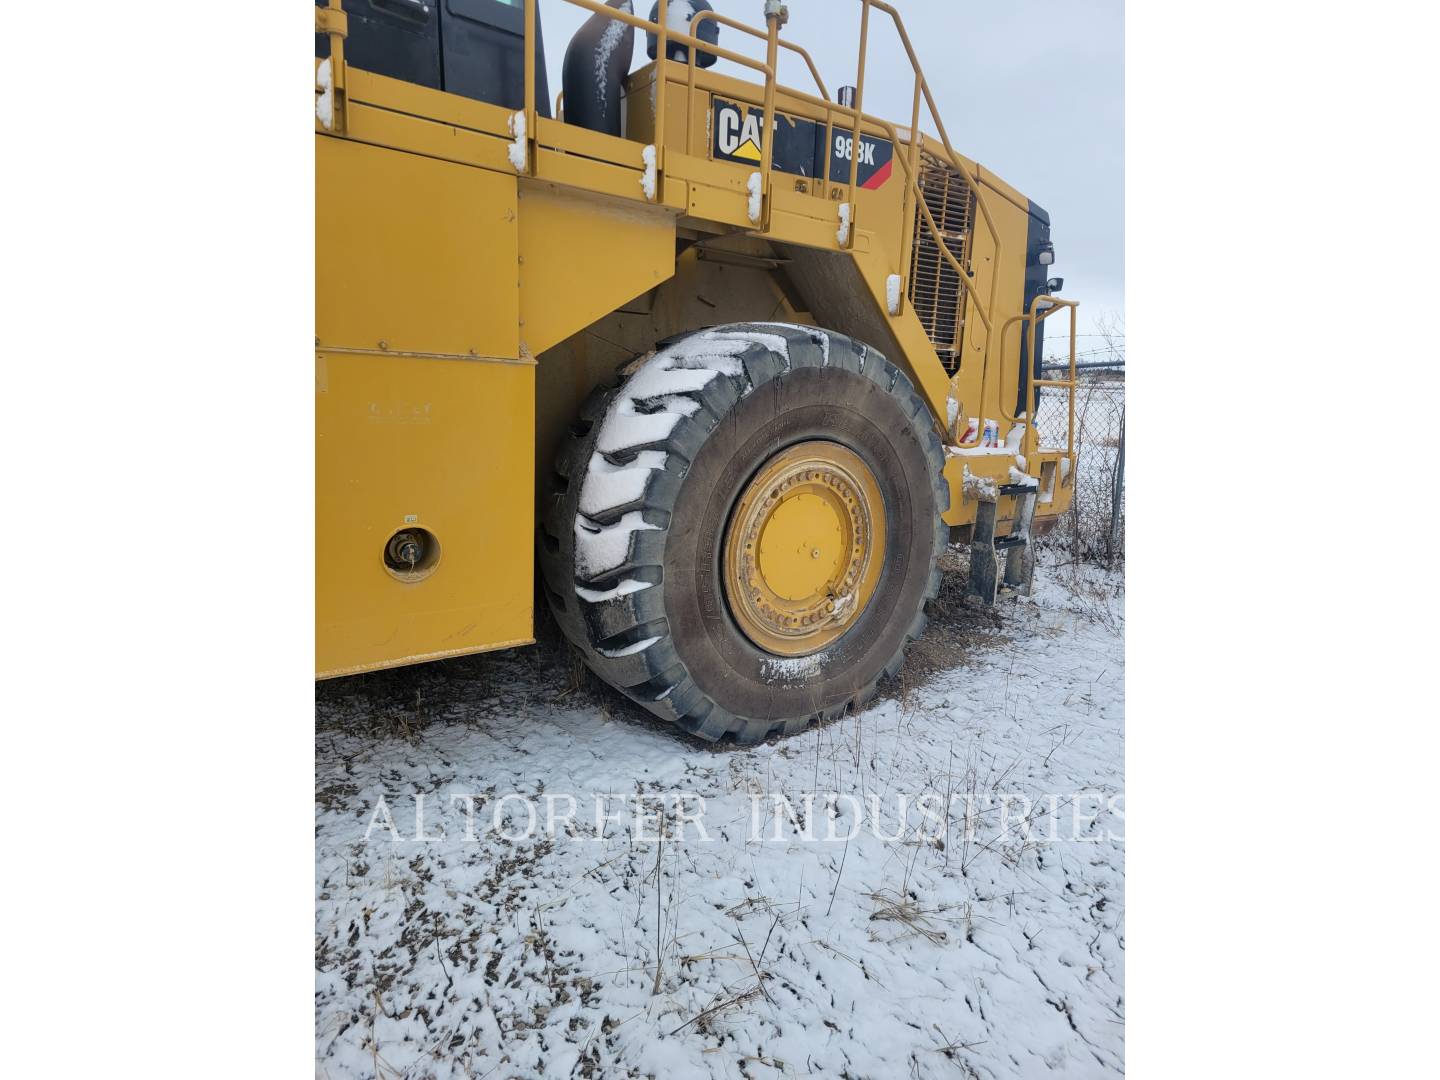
[(1004, 543), (1018, 489)]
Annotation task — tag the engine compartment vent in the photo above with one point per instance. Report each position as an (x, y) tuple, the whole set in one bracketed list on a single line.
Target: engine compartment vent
[(935, 290)]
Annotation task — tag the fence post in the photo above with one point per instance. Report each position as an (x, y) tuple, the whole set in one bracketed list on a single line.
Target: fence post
[(1117, 493)]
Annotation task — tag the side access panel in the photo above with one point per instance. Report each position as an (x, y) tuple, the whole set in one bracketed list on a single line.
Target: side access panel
[(414, 254), (443, 445), (424, 410)]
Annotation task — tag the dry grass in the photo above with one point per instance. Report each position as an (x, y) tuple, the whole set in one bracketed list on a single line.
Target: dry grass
[(893, 907)]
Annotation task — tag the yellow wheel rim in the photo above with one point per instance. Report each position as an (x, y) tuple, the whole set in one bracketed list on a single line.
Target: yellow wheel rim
[(804, 548)]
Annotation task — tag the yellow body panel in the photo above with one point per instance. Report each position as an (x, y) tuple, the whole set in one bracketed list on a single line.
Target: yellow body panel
[(565, 285), (442, 444), (420, 257)]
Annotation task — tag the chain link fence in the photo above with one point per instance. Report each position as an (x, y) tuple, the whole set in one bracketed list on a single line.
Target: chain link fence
[(1093, 530)]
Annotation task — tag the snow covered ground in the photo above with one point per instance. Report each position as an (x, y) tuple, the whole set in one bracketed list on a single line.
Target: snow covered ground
[(986, 942)]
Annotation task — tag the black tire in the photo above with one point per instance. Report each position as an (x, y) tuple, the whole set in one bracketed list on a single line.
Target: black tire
[(650, 618)]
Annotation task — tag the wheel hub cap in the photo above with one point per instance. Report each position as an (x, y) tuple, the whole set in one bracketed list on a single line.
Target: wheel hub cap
[(804, 548)]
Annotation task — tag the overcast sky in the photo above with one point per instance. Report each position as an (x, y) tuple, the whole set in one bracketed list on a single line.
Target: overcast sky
[(1033, 89)]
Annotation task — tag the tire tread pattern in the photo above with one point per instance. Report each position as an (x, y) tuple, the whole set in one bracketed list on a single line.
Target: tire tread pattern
[(655, 677)]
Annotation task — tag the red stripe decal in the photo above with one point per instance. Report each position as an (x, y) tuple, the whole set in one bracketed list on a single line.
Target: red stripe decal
[(881, 175)]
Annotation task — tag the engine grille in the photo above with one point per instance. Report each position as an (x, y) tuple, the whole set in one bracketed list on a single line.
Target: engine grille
[(935, 290)]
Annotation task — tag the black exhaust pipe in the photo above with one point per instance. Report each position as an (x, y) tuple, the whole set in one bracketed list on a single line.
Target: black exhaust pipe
[(596, 64)]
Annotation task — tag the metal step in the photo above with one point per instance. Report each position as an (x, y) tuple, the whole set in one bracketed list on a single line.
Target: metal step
[(986, 576)]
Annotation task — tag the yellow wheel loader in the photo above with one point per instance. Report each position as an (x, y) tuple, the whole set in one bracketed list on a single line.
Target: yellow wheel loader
[(715, 365)]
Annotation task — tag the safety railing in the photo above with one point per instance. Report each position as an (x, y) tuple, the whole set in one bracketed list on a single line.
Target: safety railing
[(1032, 319), (922, 88)]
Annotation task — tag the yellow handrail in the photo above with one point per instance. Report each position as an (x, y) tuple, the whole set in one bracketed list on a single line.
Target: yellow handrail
[(1070, 384), (767, 140), (971, 177), (855, 134), (913, 196), (1034, 318)]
